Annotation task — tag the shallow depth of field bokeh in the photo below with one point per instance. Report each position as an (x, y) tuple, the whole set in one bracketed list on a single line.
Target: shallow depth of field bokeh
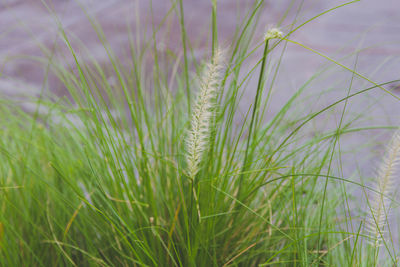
[(111, 155)]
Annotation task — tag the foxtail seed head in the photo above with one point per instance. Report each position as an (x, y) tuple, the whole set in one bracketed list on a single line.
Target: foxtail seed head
[(380, 203), (273, 33), (197, 139)]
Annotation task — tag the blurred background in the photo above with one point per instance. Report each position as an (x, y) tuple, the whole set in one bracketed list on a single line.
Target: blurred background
[(369, 24)]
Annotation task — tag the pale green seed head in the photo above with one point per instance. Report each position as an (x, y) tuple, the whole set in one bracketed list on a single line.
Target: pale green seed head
[(273, 33)]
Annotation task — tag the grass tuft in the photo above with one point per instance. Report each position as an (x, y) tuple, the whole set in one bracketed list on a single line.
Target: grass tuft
[(139, 164)]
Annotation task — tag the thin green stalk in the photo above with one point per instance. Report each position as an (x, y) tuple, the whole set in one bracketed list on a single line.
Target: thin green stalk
[(214, 29), (185, 56), (255, 107)]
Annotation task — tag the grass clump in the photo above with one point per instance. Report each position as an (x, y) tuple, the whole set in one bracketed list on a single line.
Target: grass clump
[(138, 171)]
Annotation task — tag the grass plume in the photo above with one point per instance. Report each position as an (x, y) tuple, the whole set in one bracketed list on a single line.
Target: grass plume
[(202, 114), (380, 203)]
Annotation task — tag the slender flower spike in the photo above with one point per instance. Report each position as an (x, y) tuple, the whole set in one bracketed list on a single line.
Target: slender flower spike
[(273, 33), (197, 139), (380, 203)]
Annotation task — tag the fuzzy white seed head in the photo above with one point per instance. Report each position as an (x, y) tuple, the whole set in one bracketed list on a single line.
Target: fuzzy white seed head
[(379, 202), (197, 139), (273, 33)]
